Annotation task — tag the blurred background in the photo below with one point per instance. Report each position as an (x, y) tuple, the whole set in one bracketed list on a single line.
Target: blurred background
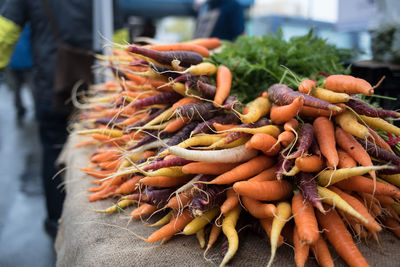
[(371, 27)]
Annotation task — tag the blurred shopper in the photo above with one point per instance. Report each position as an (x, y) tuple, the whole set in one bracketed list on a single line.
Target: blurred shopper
[(220, 18), (18, 71), (57, 27)]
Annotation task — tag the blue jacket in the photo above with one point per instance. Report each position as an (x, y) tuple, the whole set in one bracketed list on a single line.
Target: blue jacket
[(21, 58)]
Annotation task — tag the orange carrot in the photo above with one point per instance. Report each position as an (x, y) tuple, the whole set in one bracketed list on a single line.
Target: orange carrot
[(259, 209), (101, 187), (84, 143), (164, 181), (97, 174), (312, 112), (191, 47), (345, 160), (321, 252), (143, 210), (363, 184), (392, 225), (209, 43), (378, 140), (244, 170), (372, 225), (108, 155), (304, 217), (224, 82), (265, 143), (100, 137), (176, 124), (349, 85), (180, 201), (282, 114), (291, 125), (212, 238), (223, 127), (184, 101), (129, 186), (340, 238), (232, 199), (265, 175), (266, 224), (109, 165), (213, 168), (175, 225), (306, 86), (384, 200), (285, 138), (311, 163), (106, 192), (266, 190), (325, 134), (301, 250), (349, 144)]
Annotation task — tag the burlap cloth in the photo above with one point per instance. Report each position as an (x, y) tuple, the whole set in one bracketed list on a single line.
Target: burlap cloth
[(86, 238)]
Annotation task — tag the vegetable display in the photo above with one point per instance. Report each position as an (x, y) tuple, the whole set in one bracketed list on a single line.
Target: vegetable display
[(297, 156)]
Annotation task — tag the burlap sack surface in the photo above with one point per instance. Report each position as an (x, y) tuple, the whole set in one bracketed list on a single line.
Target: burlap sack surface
[(86, 238)]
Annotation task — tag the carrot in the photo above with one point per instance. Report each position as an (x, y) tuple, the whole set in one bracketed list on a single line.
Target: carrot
[(266, 190), (212, 238), (257, 109), (291, 125), (325, 134), (363, 184), (285, 138), (176, 124), (223, 127), (329, 177), (265, 143), (182, 47), (109, 165), (348, 122), (179, 201), (266, 224), (304, 217), (106, 192), (311, 163), (164, 181), (96, 174), (348, 84), (265, 175), (119, 207), (349, 144), (392, 225), (380, 124), (306, 86), (228, 228), (372, 225), (84, 143), (224, 81), (301, 250), (394, 179), (109, 155), (313, 112), (105, 131), (279, 221), (345, 160), (129, 186), (244, 170), (321, 252), (340, 238), (209, 43), (232, 199), (175, 225), (200, 222), (213, 168), (378, 140), (333, 199), (282, 114), (258, 209)]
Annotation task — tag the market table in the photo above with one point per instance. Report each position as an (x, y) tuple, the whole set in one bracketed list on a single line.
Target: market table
[(86, 238)]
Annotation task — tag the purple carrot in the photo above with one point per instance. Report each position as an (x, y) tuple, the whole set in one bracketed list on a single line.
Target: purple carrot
[(186, 58), (363, 108), (139, 62), (164, 98), (315, 148), (306, 183), (207, 90), (236, 135), (284, 165), (166, 163), (231, 103), (197, 111), (158, 197), (153, 135), (207, 126), (180, 136), (395, 169), (306, 135), (210, 196), (164, 71), (378, 152), (281, 94)]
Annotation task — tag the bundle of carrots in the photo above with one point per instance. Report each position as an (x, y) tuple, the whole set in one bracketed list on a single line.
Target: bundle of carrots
[(306, 164)]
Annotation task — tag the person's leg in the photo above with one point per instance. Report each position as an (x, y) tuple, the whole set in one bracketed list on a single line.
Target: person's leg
[(15, 79)]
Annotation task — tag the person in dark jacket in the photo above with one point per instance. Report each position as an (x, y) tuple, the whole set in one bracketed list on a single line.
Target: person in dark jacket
[(73, 22)]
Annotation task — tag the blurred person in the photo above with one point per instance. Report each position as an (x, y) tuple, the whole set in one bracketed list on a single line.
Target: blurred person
[(18, 71), (53, 22), (219, 18)]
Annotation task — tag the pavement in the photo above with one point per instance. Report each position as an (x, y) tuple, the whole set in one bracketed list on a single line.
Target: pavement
[(23, 240)]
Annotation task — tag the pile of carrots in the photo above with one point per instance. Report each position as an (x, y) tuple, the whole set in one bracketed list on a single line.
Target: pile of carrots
[(305, 163)]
